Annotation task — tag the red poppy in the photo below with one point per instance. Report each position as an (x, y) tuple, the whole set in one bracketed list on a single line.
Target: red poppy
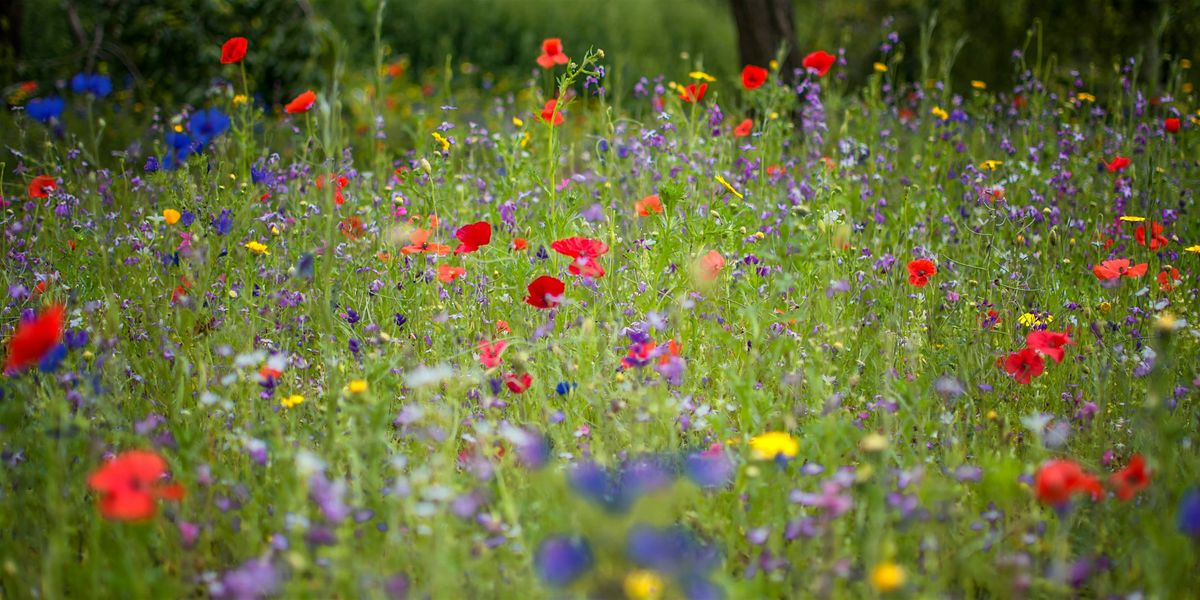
[(693, 92), (131, 483), (1058, 480), (1132, 479), (1157, 239), (744, 128), (550, 113), (585, 251), (1049, 343), (339, 184), (180, 291), (447, 273), (518, 383), (41, 186), (709, 266), (352, 228), (519, 244), (34, 339), (1172, 124), (1168, 278), (302, 103), (1113, 269), (920, 270), (419, 241), (545, 292), (552, 54), (234, 50), (753, 77), (489, 354), (1118, 164), (819, 61), (648, 205), (473, 236), (1024, 365)]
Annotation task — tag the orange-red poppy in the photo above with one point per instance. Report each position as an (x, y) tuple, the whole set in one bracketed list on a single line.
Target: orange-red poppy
[(552, 54), (302, 103)]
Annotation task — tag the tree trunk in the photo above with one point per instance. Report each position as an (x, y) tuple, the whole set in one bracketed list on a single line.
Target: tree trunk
[(764, 27)]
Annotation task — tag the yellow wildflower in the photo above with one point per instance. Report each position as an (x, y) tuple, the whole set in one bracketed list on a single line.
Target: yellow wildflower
[(443, 141), (643, 584), (257, 248), (1193, 249), (358, 386), (887, 576), (171, 216), (1030, 319), (1132, 219), (979, 85), (767, 446), (1085, 97), (880, 67), (240, 99), (990, 165), (874, 442), (292, 401), (702, 76), (939, 113), (774, 64), (721, 180), (517, 122)]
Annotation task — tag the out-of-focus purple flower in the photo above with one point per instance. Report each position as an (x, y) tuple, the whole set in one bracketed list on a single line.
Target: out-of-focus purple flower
[(672, 551), (253, 580), (617, 490), (561, 560), (329, 496), (1189, 514), (709, 469)]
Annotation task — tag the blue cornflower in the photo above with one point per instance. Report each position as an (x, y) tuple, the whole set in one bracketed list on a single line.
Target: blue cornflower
[(45, 109), (207, 124), (96, 85)]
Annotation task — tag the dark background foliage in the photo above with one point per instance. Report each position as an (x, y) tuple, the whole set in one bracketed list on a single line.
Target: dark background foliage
[(165, 49)]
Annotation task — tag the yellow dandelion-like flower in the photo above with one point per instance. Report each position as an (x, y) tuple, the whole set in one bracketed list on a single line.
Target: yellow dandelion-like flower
[(517, 122), (774, 64), (292, 401), (358, 386), (1085, 97), (1193, 249), (1132, 219), (880, 68), (240, 99), (990, 165), (643, 584), (171, 216), (979, 85), (721, 180), (702, 76), (887, 576), (767, 446), (257, 247), (940, 113), (443, 141)]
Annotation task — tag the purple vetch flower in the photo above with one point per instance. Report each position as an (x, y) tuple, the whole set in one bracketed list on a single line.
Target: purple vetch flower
[(329, 497), (223, 223), (253, 580)]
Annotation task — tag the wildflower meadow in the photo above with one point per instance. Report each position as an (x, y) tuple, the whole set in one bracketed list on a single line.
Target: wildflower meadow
[(575, 334)]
